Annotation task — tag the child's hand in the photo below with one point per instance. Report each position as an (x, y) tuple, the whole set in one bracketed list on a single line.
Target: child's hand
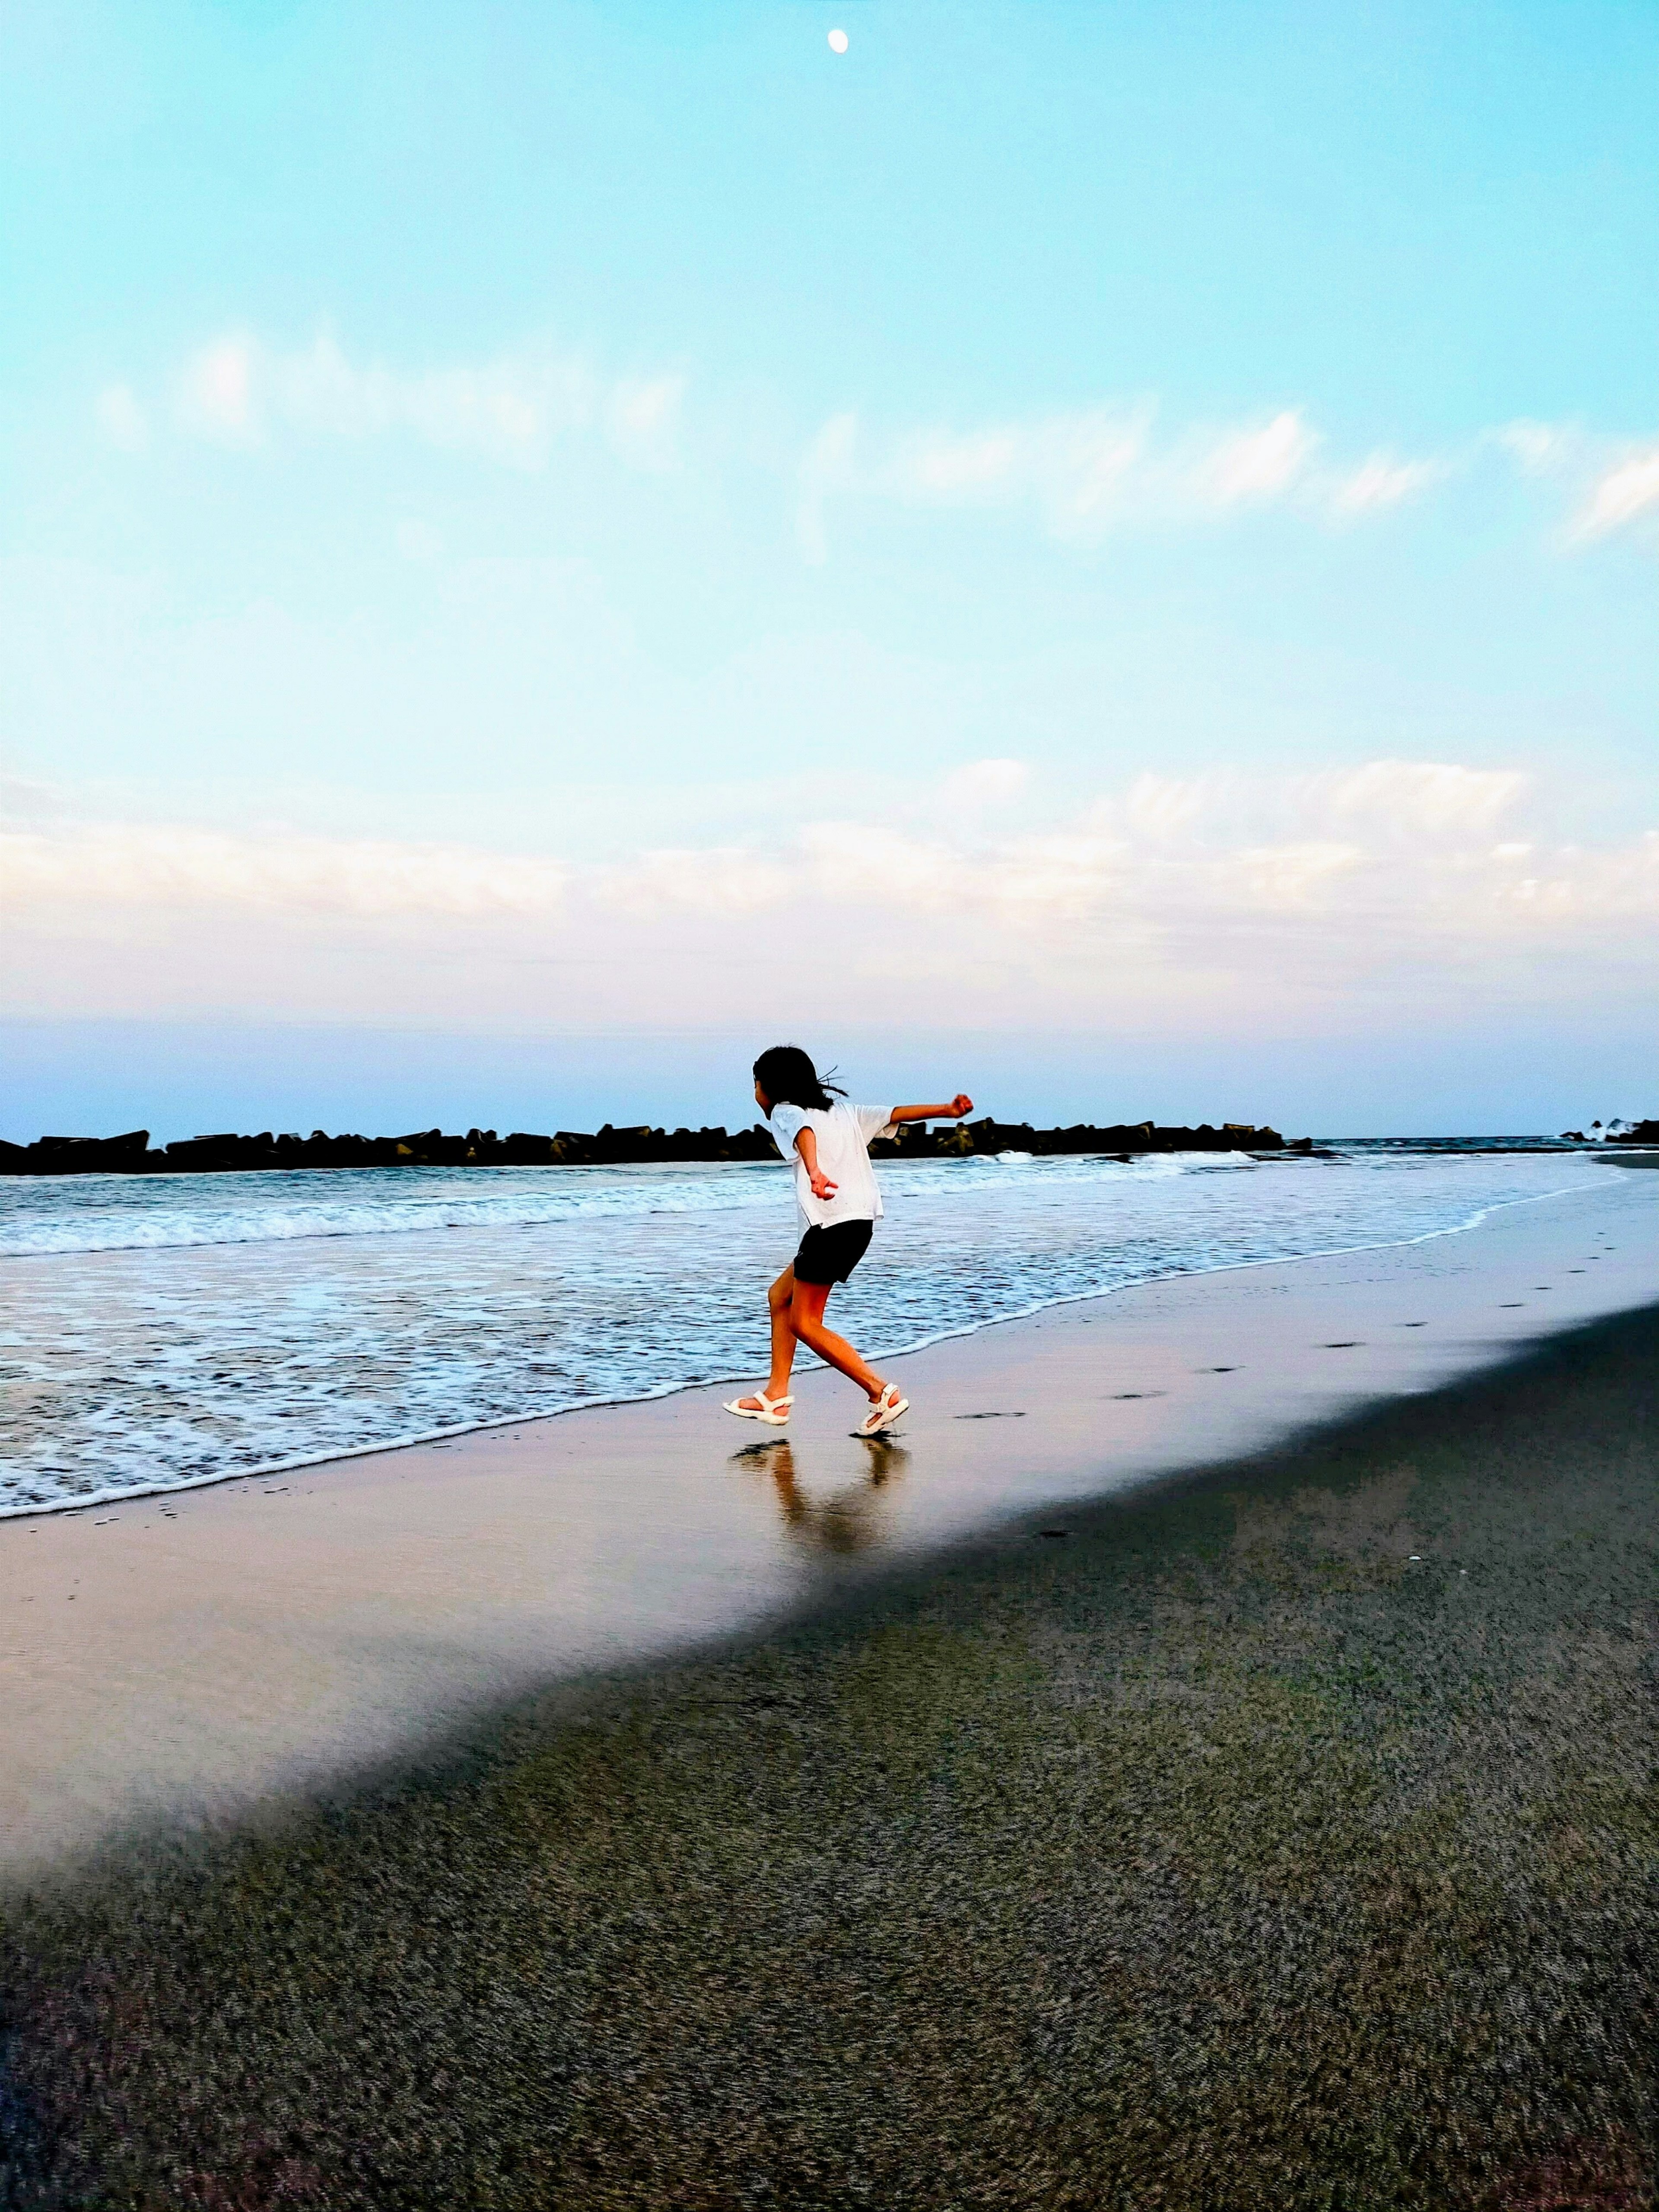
[(821, 1186), (961, 1104)]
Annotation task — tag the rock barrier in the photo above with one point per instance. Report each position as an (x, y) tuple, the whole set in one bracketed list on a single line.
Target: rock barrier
[(610, 1146)]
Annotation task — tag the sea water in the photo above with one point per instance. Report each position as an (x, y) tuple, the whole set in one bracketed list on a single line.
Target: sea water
[(168, 1330)]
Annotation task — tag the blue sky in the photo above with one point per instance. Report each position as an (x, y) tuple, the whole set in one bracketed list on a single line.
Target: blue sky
[(1120, 538)]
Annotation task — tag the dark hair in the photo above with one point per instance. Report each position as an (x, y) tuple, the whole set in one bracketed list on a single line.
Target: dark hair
[(788, 1078)]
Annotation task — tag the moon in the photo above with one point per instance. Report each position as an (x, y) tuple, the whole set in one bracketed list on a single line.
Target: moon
[(838, 42)]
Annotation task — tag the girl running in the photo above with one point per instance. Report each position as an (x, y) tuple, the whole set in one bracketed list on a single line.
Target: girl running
[(827, 1143)]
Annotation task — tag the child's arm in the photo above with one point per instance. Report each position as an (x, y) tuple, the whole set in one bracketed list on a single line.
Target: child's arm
[(961, 1104), (806, 1144)]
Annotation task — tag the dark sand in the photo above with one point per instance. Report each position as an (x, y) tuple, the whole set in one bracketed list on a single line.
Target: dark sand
[(1217, 1852)]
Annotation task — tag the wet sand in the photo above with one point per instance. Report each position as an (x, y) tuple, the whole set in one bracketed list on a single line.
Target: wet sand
[(182, 1658), (1282, 1838)]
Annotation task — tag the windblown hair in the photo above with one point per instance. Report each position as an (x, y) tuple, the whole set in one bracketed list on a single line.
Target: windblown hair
[(788, 1078)]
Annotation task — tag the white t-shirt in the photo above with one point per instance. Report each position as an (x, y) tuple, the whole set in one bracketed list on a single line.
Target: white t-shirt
[(844, 1135)]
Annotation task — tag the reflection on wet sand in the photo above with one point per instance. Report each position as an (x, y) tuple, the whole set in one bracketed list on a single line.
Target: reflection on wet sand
[(854, 1518)]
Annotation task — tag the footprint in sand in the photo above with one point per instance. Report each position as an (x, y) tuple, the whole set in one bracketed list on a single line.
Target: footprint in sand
[(1118, 1394), (1512, 1306), (1412, 1324), (1218, 1370), (990, 1417), (1344, 1344)]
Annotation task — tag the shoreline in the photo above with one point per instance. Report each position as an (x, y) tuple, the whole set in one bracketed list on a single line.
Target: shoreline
[(414, 1440), (1286, 1151), (254, 1637), (1280, 1835)]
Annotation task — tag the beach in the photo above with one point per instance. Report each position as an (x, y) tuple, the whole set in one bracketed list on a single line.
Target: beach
[(932, 717), (190, 1655), (1204, 1759), (1278, 1833)]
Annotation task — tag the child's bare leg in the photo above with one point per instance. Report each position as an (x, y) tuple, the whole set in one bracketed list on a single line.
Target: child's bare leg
[(778, 1300), (783, 1339), (807, 1323)]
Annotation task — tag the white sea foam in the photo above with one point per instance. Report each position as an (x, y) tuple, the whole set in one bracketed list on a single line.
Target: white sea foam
[(121, 1213), (166, 1227), (169, 1331)]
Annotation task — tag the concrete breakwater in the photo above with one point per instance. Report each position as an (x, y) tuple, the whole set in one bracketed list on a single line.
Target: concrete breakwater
[(132, 1154)]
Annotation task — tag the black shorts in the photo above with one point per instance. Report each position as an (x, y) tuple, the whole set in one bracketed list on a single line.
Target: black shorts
[(830, 1255)]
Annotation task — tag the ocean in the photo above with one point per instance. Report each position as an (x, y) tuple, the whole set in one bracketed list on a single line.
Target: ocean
[(161, 1332)]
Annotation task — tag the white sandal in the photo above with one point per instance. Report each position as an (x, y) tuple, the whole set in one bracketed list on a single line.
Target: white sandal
[(774, 1411), (886, 1411)]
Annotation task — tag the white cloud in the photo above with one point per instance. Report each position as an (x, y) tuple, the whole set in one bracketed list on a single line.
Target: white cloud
[(1084, 473), (1074, 468), (1091, 472), (1297, 875), (1432, 798), (984, 784), (511, 410), (1589, 888), (644, 412), (217, 397), (23, 798), (1612, 485), (1258, 464), (1218, 890), (1621, 494), (112, 865), (1070, 877), (1379, 806), (1384, 482), (1539, 448), (1161, 807), (879, 866), (1279, 886), (1094, 460), (718, 880), (988, 461), (121, 419)]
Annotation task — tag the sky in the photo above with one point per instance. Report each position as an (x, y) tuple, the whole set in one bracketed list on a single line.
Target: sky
[(1097, 554)]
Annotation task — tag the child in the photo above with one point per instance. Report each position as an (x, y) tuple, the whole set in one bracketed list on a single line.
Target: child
[(828, 1141)]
